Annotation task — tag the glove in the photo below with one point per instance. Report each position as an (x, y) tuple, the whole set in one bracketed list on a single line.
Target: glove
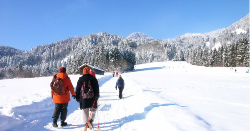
[(78, 99), (116, 87), (74, 96)]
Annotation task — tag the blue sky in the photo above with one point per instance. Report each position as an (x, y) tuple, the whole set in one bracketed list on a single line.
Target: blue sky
[(29, 23)]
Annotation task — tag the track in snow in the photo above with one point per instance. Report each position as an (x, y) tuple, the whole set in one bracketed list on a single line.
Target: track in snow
[(140, 109)]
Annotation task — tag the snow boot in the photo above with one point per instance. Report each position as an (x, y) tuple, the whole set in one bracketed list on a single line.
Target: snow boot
[(63, 123), (54, 125), (90, 124)]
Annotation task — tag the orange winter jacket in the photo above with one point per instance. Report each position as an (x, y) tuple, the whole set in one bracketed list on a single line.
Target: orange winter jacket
[(63, 98)]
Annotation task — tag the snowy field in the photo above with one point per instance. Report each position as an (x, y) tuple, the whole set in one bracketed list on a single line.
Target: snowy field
[(173, 96)]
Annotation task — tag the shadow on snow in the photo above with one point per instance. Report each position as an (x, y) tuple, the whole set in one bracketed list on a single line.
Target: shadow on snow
[(137, 116), (103, 80), (146, 69)]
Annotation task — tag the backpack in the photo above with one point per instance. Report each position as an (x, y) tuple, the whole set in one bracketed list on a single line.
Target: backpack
[(57, 85), (87, 90), (120, 82)]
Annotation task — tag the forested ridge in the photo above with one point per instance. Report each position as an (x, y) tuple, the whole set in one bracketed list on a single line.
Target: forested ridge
[(228, 47)]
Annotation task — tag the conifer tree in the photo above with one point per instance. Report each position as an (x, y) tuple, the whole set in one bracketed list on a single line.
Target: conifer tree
[(233, 54)]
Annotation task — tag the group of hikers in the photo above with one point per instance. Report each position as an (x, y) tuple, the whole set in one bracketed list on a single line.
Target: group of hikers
[(115, 73), (86, 94)]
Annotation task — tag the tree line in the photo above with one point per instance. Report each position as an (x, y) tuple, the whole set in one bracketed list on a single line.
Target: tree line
[(116, 53), (236, 54)]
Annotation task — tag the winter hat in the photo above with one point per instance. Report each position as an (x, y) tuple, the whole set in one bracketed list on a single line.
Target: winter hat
[(86, 70), (62, 70)]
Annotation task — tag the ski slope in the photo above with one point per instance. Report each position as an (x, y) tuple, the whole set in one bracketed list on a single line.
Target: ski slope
[(172, 96)]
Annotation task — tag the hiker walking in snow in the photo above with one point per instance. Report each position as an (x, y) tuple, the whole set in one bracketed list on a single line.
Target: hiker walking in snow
[(92, 73), (60, 95), (116, 73), (120, 83), (87, 94), (113, 73)]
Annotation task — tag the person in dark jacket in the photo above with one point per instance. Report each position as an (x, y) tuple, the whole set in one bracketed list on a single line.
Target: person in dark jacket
[(61, 101), (86, 104), (120, 83)]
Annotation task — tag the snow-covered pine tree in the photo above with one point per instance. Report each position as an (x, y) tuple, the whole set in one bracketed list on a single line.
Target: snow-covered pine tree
[(242, 51), (226, 56)]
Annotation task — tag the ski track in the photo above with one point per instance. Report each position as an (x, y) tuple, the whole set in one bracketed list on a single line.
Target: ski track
[(173, 112), (109, 105), (119, 115)]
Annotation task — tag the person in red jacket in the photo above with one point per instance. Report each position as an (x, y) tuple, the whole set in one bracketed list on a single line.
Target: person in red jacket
[(116, 73), (61, 101), (91, 72)]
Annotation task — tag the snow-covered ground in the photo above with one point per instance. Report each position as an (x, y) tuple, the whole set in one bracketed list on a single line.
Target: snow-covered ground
[(173, 96)]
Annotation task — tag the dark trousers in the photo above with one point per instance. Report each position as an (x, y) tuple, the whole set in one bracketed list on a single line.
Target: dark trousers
[(60, 109), (120, 93)]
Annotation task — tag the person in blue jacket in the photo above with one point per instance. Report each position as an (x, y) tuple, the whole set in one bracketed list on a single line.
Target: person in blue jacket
[(120, 83)]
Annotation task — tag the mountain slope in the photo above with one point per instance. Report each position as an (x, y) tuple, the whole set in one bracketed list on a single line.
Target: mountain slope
[(9, 51), (110, 52), (137, 36)]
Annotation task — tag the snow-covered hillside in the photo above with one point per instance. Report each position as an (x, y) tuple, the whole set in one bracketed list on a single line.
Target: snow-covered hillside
[(172, 96), (139, 36), (138, 48)]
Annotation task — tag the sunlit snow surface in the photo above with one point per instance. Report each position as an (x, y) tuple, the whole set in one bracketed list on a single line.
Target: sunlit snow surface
[(238, 31), (173, 96)]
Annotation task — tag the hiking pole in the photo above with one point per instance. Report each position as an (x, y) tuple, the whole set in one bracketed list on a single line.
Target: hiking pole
[(86, 126), (98, 128)]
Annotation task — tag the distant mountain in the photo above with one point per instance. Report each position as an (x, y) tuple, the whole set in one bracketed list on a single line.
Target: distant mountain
[(111, 52), (139, 36), (9, 51), (225, 36)]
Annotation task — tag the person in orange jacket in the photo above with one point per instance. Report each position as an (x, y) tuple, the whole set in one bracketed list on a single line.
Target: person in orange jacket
[(61, 101)]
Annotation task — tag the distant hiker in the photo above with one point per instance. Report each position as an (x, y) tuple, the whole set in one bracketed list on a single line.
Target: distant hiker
[(61, 97), (91, 72), (116, 73), (235, 70), (120, 83), (113, 73), (87, 94)]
